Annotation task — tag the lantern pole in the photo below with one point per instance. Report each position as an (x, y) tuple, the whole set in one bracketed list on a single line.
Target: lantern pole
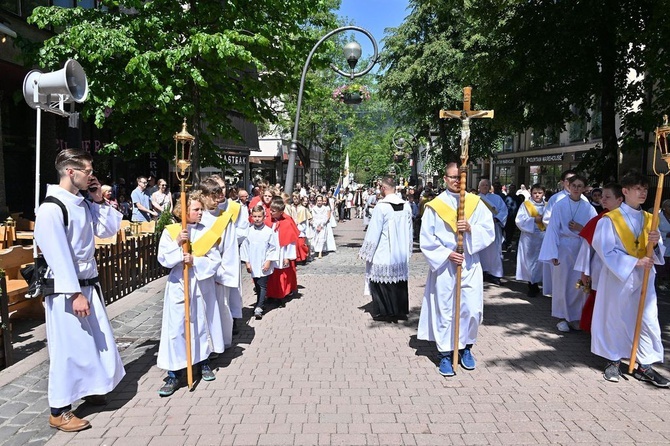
[(184, 140)]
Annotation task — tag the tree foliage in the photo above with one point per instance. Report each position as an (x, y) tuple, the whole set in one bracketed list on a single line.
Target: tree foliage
[(149, 64), (538, 63)]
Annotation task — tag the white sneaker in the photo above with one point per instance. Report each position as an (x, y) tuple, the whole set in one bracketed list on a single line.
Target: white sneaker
[(563, 326), (258, 313)]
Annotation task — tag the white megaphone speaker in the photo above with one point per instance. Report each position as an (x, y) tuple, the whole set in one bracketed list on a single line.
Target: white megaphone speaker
[(66, 85)]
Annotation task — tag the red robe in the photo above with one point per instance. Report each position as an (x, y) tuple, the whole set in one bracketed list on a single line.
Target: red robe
[(268, 213), (284, 281), (587, 312)]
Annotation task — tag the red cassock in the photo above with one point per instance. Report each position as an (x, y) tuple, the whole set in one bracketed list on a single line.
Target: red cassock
[(587, 311), (268, 213), (284, 281), (301, 250)]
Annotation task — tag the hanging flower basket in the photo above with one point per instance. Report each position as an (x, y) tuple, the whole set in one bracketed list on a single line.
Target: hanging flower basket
[(351, 94)]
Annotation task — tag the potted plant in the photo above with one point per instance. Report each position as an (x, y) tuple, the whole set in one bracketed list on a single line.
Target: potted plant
[(351, 93)]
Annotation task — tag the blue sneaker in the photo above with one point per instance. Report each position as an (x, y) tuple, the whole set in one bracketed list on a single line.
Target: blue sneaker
[(466, 359), (446, 369)]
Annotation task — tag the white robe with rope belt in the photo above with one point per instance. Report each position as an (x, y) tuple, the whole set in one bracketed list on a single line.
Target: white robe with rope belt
[(172, 349), (438, 241), (83, 357)]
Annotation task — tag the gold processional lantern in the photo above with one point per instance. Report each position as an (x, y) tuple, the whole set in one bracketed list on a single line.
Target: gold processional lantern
[(183, 140), (182, 146), (661, 146)]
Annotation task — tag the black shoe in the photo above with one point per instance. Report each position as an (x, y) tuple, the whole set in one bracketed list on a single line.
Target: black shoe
[(494, 280), (236, 330), (170, 386), (651, 376), (533, 290)]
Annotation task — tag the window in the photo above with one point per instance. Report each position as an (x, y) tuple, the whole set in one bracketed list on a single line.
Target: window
[(596, 123), (29, 5), (11, 6), (508, 143), (577, 129)]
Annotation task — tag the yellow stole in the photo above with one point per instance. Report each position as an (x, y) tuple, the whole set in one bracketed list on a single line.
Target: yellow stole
[(532, 211), (210, 238), (299, 214), (233, 207), (449, 214), (627, 237)]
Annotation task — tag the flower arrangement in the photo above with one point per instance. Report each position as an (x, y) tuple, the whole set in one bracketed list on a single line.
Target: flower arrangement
[(344, 92)]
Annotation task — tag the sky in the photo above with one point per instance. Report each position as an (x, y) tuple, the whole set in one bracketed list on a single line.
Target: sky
[(375, 16)]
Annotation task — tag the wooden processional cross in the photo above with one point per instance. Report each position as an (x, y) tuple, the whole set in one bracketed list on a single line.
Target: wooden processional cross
[(464, 115)]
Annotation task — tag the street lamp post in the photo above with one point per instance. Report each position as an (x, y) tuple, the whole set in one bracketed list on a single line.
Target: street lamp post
[(352, 52)]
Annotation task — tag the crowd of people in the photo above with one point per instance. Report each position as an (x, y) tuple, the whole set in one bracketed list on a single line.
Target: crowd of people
[(582, 242), (231, 237)]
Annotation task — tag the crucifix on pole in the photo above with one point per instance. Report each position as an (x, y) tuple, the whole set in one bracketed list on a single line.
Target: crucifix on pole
[(464, 115)]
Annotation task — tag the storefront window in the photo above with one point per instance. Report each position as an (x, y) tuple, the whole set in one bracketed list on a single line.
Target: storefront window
[(548, 176), (29, 5), (505, 174), (11, 6)]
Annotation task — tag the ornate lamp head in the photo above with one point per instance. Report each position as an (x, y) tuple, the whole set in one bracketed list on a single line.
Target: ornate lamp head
[(662, 146), (182, 146)]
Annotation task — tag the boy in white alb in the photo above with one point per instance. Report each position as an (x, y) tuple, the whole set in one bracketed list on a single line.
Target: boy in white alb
[(203, 265), (560, 248), (259, 252), (620, 240), (529, 222)]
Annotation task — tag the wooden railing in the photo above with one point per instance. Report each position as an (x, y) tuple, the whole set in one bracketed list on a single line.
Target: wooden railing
[(127, 265)]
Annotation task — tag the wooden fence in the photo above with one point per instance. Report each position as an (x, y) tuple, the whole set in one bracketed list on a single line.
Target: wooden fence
[(128, 265)]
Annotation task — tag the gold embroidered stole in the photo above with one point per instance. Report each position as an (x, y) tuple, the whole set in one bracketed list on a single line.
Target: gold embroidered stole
[(626, 235), (210, 238), (532, 211), (450, 215)]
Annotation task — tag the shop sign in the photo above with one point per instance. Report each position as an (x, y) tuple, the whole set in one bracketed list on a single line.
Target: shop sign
[(235, 159), (544, 159), (505, 162)]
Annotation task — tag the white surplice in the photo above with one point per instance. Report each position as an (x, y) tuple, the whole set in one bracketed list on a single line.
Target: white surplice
[(588, 262), (619, 290), (260, 245), (388, 243), (491, 256), (563, 244), (528, 267), (172, 349), (83, 356), (218, 307), (231, 260), (438, 241), (547, 268)]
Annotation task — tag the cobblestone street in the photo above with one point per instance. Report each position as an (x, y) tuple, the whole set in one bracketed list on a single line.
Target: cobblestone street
[(321, 371)]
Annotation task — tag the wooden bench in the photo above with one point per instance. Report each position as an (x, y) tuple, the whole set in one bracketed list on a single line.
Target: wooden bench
[(14, 288)]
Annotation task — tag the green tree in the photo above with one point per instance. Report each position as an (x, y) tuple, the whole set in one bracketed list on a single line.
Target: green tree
[(149, 64), (539, 64), (425, 67)]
